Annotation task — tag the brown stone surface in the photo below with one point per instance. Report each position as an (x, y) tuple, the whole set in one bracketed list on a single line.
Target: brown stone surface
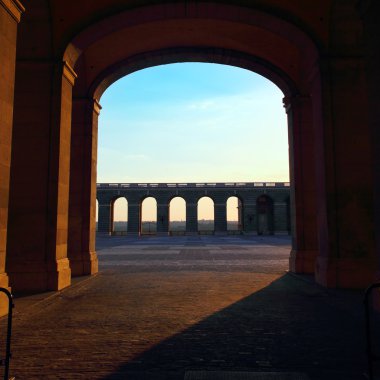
[(39, 260), (10, 12), (82, 208)]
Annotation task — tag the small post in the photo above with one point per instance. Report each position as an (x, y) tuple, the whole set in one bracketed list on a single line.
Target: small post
[(9, 332)]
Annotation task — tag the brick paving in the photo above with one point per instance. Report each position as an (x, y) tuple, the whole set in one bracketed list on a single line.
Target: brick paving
[(164, 307)]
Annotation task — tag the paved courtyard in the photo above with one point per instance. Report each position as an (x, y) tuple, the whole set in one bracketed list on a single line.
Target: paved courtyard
[(194, 308)]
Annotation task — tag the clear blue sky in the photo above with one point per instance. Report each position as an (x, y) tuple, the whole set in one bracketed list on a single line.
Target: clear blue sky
[(191, 122)]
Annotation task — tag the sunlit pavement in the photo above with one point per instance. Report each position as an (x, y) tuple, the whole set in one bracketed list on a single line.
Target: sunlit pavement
[(163, 307)]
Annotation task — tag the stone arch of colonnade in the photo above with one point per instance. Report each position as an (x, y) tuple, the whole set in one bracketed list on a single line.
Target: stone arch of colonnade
[(209, 49), (192, 215), (119, 212), (178, 217), (63, 76), (149, 218), (235, 211), (206, 214)]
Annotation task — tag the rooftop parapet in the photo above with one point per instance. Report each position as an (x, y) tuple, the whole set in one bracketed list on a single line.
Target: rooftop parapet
[(192, 185)]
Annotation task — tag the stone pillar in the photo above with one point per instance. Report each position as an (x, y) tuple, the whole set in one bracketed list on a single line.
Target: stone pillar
[(250, 216), (220, 218), (191, 218), (240, 215), (303, 207), (162, 219), (347, 255), (82, 208), (134, 218), (370, 13), (280, 218), (40, 172), (10, 13), (105, 217)]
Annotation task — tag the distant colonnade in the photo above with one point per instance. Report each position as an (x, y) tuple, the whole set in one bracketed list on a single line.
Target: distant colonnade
[(263, 208)]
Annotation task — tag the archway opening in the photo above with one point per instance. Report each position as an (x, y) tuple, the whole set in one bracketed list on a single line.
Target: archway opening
[(181, 116), (177, 216), (234, 215), (205, 216), (148, 225), (120, 216), (153, 119), (264, 207)]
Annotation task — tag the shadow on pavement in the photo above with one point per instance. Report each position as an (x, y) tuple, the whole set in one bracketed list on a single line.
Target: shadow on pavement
[(292, 325)]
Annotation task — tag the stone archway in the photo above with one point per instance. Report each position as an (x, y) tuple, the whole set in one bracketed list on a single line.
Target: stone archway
[(329, 157), (148, 216), (177, 216), (206, 218), (265, 61)]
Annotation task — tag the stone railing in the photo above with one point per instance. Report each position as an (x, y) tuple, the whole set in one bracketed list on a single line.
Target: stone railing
[(191, 185)]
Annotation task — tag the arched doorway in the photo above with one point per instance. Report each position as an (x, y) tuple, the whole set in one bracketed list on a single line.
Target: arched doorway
[(148, 225), (205, 216), (101, 47), (120, 216), (177, 216), (234, 215), (264, 215)]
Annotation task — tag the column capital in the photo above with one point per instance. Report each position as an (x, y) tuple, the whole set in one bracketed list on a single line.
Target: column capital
[(97, 106), (291, 101), (68, 72), (14, 8), (91, 103)]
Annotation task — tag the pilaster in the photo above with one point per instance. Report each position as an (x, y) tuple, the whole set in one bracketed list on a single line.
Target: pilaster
[(220, 218), (105, 218), (303, 209), (41, 148), (162, 219), (370, 14), (347, 255), (10, 14), (250, 217), (134, 218), (82, 208), (191, 218)]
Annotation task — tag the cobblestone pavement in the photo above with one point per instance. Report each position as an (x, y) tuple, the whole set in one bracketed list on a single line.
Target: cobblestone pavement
[(162, 307)]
